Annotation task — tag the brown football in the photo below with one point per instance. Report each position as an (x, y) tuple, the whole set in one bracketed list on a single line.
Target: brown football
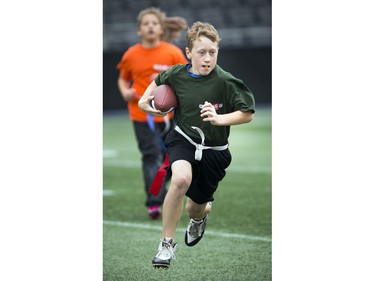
[(165, 99)]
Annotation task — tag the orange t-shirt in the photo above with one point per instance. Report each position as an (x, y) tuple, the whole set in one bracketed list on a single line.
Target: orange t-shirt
[(141, 65)]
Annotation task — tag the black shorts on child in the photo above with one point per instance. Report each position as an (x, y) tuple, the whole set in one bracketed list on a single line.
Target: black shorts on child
[(207, 173)]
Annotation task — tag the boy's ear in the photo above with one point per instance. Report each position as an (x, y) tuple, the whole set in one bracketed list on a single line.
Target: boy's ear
[(187, 53)]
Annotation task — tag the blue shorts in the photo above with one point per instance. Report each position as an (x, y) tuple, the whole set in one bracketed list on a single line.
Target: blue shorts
[(207, 173)]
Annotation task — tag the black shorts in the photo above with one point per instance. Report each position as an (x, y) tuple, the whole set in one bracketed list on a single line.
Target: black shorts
[(207, 173)]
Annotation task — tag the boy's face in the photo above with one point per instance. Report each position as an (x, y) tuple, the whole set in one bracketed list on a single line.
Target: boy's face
[(203, 56), (150, 28)]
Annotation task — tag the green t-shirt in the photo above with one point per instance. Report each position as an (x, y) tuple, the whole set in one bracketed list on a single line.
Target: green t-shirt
[(220, 88)]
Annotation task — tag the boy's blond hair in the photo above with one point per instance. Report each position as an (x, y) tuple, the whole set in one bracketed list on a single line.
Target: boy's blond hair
[(154, 11), (201, 29)]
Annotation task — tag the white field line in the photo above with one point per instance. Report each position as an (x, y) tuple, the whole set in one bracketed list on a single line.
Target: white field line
[(109, 153), (211, 233), (107, 192)]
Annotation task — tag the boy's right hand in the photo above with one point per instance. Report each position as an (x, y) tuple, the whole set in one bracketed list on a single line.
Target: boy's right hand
[(130, 94), (145, 105)]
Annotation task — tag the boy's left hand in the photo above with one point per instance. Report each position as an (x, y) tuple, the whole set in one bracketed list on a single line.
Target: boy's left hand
[(208, 113)]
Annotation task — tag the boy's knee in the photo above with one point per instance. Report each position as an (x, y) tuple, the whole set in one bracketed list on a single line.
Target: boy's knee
[(181, 180)]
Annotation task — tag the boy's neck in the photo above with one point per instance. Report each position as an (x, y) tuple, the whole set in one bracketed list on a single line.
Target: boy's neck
[(150, 44)]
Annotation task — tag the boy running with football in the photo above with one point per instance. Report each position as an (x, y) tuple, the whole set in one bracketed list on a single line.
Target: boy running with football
[(210, 101)]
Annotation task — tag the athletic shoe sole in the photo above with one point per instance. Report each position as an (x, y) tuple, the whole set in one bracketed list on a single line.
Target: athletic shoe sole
[(194, 242), (162, 266)]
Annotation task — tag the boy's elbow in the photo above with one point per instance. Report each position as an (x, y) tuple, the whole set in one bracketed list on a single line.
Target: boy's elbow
[(249, 117)]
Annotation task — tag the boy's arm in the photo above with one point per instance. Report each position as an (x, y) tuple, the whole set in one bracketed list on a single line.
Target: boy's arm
[(127, 93), (208, 113), (144, 102)]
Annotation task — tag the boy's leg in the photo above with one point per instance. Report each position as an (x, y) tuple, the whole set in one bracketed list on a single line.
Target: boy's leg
[(152, 158), (173, 203), (197, 211), (172, 210), (213, 166)]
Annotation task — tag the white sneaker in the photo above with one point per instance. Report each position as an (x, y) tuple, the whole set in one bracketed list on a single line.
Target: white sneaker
[(195, 231), (166, 252)]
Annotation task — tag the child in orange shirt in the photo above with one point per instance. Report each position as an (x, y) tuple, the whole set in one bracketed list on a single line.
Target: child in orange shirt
[(140, 64)]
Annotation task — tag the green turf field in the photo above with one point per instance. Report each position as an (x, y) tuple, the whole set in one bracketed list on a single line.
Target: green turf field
[(237, 242)]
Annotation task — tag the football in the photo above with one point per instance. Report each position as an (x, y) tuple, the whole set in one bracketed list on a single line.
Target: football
[(165, 99)]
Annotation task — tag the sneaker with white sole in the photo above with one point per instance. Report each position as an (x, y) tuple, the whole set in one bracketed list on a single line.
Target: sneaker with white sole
[(195, 231), (166, 252)]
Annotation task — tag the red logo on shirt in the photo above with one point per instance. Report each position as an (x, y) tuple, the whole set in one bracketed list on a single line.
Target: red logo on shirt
[(217, 106)]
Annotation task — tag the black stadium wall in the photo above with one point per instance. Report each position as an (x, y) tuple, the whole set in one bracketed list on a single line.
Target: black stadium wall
[(253, 66)]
